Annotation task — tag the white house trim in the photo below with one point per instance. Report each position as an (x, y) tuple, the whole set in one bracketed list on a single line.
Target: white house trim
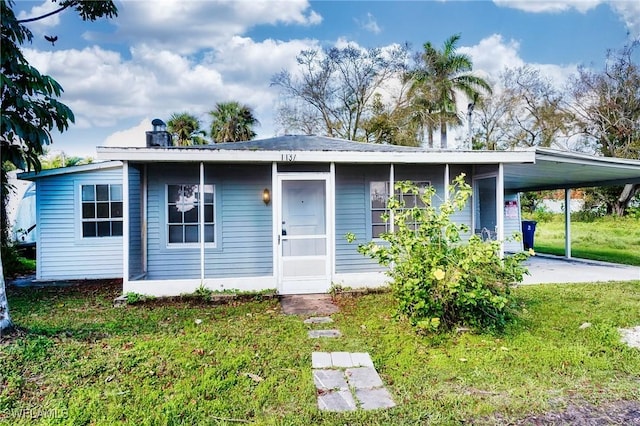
[(161, 288), (352, 157), (500, 208), (125, 221)]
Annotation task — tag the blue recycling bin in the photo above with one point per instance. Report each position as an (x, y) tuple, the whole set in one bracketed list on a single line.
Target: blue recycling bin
[(528, 229)]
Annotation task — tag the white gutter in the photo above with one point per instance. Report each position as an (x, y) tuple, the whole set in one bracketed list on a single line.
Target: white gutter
[(366, 157)]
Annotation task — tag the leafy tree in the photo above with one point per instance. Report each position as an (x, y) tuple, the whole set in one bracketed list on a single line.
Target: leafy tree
[(29, 102), (436, 82), (49, 161), (391, 124), (606, 108), (232, 122), (298, 117), (439, 280), (339, 84), (536, 116), (185, 129)]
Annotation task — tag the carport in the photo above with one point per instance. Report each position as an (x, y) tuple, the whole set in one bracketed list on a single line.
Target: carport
[(566, 170)]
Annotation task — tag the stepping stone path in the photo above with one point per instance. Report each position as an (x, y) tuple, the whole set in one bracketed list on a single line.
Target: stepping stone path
[(345, 381)]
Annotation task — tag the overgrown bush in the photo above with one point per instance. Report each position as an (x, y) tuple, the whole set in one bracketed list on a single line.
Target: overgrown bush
[(14, 263), (439, 279)]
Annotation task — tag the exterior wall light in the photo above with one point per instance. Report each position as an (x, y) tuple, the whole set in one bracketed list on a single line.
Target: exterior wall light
[(266, 196)]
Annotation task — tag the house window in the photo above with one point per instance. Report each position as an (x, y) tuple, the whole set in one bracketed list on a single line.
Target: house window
[(379, 195), (183, 214), (101, 211)]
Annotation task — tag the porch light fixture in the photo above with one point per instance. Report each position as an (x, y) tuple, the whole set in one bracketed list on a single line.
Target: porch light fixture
[(266, 196)]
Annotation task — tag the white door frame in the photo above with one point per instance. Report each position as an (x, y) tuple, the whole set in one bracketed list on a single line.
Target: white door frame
[(311, 284), (499, 176)]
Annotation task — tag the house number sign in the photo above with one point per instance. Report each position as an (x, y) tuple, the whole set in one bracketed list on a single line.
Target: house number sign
[(288, 157)]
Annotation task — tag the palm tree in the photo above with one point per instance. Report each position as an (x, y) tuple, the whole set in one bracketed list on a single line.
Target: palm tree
[(232, 122), (435, 83), (185, 129)]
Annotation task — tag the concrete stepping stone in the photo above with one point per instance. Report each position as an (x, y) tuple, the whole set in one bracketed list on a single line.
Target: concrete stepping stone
[(326, 380), (318, 320), (341, 400), (363, 378), (321, 360), (341, 359), (361, 359), (373, 399), (338, 376), (315, 334)]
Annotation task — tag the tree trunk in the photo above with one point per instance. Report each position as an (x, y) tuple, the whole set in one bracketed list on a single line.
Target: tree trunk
[(443, 135), (5, 320), (625, 198)]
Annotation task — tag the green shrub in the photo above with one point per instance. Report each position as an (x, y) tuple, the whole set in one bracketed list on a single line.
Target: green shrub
[(541, 214), (439, 280), (14, 263)]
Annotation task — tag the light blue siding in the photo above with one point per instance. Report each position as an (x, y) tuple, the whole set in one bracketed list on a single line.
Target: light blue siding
[(62, 253), (243, 246), (353, 211)]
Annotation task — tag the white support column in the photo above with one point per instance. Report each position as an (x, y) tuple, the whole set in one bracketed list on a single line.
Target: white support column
[(125, 223), (201, 220), (392, 184), (143, 219), (275, 217), (331, 200), (447, 181), (567, 223), (500, 208)]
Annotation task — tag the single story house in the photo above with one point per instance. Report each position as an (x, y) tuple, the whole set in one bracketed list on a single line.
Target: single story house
[(271, 213)]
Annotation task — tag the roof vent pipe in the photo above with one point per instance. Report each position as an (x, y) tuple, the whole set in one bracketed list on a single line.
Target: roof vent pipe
[(158, 137)]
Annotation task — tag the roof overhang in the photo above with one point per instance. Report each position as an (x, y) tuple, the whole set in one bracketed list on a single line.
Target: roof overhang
[(562, 170), (71, 169), (190, 154)]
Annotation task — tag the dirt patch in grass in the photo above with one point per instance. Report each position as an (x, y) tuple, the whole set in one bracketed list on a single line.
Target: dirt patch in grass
[(616, 413)]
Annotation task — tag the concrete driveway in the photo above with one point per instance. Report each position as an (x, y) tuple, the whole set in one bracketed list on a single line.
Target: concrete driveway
[(553, 269)]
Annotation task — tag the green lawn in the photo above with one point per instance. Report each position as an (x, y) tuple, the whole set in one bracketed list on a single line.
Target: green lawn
[(81, 361), (608, 239)]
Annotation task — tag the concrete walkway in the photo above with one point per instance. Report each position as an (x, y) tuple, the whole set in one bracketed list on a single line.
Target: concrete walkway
[(554, 269), (344, 381)]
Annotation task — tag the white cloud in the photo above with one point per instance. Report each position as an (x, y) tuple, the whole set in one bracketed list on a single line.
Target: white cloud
[(188, 26), (106, 89), (370, 24), (134, 136), (549, 6), (40, 26), (627, 10), (629, 13), (492, 54)]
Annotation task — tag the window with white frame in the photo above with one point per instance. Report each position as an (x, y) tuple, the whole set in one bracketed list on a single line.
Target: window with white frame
[(101, 210), (183, 214), (380, 192)]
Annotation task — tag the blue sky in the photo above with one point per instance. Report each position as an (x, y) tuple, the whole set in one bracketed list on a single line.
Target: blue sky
[(159, 57)]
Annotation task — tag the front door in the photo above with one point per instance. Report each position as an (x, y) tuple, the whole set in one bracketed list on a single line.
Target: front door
[(303, 240)]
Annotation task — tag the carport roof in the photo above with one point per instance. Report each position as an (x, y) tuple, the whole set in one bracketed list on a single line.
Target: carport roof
[(562, 169)]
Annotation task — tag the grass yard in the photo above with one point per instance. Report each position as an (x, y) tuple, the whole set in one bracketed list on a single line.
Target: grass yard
[(78, 360), (608, 239)]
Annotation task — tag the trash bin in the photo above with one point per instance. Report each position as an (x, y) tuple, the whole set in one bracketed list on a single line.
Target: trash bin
[(528, 229)]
